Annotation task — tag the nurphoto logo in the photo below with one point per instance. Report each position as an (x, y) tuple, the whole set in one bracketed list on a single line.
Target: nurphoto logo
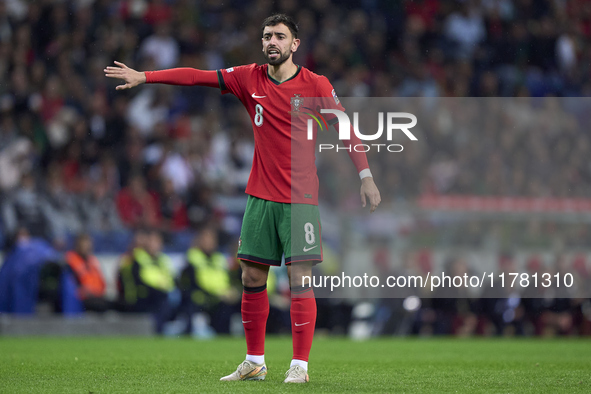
[(345, 130)]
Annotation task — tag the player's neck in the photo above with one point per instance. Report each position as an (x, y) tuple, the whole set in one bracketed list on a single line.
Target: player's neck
[(284, 71)]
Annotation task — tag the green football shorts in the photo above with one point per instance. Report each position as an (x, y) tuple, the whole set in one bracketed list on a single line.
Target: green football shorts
[(270, 229)]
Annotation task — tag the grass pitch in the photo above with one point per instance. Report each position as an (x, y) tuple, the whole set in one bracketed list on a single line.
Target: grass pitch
[(134, 365)]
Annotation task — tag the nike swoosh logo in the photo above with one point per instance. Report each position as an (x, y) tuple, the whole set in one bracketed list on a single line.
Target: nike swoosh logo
[(308, 249), (244, 322), (303, 324), (254, 95)]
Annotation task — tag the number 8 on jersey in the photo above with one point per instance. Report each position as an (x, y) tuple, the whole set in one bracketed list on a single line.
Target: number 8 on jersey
[(258, 117)]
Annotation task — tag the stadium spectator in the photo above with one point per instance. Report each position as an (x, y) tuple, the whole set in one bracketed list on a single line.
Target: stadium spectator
[(158, 12), (200, 207), (136, 206), (26, 207), (16, 156), (161, 47), (501, 309), (126, 288), (453, 306), (89, 277), (465, 30), (64, 206), (207, 284), (176, 168), (98, 209), (173, 210), (30, 273), (558, 316), (105, 171), (148, 282), (147, 109), (534, 298)]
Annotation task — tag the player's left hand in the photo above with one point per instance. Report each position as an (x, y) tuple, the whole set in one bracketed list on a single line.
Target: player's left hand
[(370, 191)]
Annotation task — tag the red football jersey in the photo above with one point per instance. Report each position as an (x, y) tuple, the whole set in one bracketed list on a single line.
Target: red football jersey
[(284, 168)]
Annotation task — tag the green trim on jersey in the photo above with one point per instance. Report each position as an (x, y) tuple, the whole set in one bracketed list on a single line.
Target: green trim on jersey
[(276, 82), (271, 229), (221, 82)]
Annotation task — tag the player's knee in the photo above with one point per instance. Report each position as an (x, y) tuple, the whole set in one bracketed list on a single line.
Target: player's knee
[(253, 276), (297, 272), (253, 280)]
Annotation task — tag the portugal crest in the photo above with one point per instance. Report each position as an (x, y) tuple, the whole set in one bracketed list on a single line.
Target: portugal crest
[(296, 103)]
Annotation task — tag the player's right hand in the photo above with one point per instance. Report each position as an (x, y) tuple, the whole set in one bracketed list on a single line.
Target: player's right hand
[(131, 77)]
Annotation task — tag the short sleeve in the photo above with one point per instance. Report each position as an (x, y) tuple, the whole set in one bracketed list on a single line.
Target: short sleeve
[(232, 80), (329, 98)]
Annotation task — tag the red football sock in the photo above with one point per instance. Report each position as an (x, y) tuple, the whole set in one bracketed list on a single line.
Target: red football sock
[(255, 311), (303, 322)]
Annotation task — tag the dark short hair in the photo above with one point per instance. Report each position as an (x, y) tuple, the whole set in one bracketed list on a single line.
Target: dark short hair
[(287, 20)]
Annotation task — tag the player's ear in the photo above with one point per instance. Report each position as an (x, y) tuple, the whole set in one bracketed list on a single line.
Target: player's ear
[(295, 44)]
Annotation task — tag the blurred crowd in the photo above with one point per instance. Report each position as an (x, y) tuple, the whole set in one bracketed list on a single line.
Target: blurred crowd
[(77, 155), (510, 147)]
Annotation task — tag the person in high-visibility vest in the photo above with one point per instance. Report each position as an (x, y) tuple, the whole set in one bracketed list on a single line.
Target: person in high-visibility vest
[(206, 283), (148, 281), (126, 286), (89, 277)]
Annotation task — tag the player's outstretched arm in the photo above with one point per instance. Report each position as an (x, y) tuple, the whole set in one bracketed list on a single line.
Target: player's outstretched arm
[(184, 76), (369, 191), (131, 77)]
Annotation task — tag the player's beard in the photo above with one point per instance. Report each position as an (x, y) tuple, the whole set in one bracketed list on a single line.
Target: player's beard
[(283, 56)]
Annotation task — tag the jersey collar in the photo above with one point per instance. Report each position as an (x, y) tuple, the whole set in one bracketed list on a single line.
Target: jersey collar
[(276, 82)]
